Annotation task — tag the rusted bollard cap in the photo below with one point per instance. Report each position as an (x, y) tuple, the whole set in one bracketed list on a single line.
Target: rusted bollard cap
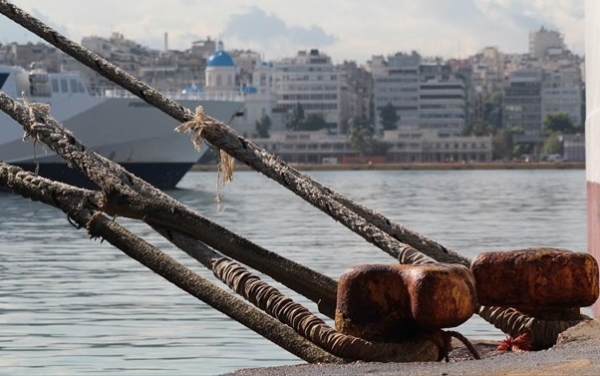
[(389, 303), (536, 280)]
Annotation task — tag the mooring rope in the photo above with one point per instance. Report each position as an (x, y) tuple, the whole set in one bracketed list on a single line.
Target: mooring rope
[(342, 209), (126, 195), (270, 300), (372, 226), (81, 206)]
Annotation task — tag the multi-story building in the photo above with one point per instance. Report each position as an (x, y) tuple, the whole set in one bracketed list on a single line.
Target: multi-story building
[(311, 80), (422, 145), (562, 93), (179, 70), (125, 53), (396, 81), (357, 93), (246, 61), (522, 102), (544, 43), (425, 93), (203, 47), (23, 55), (574, 148), (307, 147), (488, 70), (404, 146), (260, 100), (442, 98)]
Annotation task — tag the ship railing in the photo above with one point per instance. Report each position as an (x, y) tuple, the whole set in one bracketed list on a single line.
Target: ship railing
[(230, 96)]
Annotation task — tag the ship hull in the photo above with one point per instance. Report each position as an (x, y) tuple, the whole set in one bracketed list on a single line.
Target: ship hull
[(161, 175), (126, 130)]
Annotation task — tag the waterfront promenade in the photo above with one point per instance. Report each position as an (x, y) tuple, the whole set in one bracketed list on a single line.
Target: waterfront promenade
[(417, 166)]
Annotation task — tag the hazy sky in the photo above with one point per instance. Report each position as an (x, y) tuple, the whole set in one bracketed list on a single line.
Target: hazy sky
[(344, 29)]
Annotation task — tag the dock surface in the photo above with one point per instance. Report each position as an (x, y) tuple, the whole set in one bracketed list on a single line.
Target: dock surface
[(577, 353)]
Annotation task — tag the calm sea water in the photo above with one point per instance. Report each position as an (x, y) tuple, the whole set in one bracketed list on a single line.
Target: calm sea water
[(72, 306)]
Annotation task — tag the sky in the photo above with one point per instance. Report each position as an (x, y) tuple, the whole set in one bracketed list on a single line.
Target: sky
[(344, 29)]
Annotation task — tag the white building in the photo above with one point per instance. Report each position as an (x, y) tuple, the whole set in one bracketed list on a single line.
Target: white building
[(488, 70), (405, 145), (396, 81), (442, 99), (422, 145), (220, 72), (260, 99), (544, 42), (425, 94), (311, 80)]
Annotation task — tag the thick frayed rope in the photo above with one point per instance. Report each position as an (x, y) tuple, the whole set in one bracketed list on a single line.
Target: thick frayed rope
[(196, 127), (31, 107)]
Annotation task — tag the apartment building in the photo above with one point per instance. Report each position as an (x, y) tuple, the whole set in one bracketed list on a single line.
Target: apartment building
[(425, 92), (442, 98), (396, 81), (522, 104), (356, 92), (545, 42), (311, 80), (562, 92), (488, 70)]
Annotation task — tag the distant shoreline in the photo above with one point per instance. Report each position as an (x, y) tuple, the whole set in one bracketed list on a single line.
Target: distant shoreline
[(418, 166)]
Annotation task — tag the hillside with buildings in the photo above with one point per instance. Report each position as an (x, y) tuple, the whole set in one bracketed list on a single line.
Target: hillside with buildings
[(400, 108)]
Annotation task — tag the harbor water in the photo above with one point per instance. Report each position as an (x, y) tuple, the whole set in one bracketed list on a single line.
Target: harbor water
[(74, 306)]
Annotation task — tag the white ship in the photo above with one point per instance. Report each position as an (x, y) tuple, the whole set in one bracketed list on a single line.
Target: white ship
[(120, 127)]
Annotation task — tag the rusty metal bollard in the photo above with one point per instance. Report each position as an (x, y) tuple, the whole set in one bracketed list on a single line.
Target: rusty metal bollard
[(545, 283), (392, 303)]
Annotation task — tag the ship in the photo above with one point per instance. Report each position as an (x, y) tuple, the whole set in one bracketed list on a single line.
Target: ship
[(113, 123)]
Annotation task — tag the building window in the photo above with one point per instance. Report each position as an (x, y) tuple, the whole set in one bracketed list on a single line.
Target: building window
[(64, 86), (55, 87)]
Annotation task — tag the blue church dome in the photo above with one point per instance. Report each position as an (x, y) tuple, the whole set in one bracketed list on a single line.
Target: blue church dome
[(249, 89), (192, 89), (220, 58)]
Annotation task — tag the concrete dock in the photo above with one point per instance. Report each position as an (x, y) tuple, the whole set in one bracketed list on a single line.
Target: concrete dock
[(577, 352)]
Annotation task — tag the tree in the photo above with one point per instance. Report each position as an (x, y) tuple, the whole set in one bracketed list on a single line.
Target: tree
[(553, 145), (503, 146), (492, 110), (263, 126), (388, 117), (360, 136), (478, 128), (313, 122), (378, 147), (296, 117), (559, 122)]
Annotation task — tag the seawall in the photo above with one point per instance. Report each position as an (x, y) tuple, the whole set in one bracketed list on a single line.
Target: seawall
[(417, 166)]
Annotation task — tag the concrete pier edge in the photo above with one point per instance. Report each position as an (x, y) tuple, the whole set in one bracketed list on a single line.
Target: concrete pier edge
[(576, 353)]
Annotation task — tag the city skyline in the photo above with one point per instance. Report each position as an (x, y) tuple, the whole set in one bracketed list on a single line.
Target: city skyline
[(348, 30)]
